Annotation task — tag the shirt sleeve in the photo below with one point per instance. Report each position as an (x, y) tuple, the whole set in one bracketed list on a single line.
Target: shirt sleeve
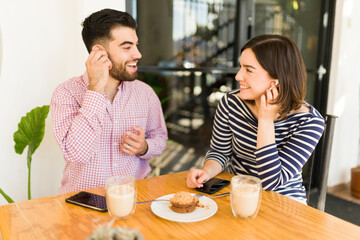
[(220, 144), (155, 132), (277, 166), (77, 125)]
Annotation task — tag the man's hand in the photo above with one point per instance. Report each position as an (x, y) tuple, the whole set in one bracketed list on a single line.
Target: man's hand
[(98, 65), (134, 144)]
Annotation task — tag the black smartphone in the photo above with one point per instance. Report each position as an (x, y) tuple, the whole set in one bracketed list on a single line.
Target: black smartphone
[(88, 200), (213, 185)]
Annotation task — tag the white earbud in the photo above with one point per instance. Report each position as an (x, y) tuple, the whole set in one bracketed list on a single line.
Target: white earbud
[(276, 82)]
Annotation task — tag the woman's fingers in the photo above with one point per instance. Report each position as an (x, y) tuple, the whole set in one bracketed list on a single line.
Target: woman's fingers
[(193, 178), (274, 90)]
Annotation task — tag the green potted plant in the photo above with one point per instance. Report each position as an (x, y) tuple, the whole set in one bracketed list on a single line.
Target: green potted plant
[(30, 133)]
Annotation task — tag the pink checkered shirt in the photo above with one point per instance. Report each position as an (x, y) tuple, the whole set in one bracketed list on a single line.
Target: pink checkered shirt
[(88, 128)]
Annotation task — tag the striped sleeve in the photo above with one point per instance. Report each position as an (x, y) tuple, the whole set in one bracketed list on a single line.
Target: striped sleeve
[(276, 167), (220, 145)]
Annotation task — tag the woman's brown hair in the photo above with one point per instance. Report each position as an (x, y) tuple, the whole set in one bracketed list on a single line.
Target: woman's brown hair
[(281, 58)]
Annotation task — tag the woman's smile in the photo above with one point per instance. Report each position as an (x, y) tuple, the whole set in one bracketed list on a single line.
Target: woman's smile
[(243, 87)]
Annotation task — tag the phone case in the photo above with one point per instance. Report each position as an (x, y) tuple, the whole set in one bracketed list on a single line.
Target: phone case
[(213, 185), (88, 200)]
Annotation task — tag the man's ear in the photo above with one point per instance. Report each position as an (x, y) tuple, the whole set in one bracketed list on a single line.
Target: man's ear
[(98, 47)]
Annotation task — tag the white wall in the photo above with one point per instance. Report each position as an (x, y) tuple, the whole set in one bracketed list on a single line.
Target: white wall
[(344, 91), (41, 47)]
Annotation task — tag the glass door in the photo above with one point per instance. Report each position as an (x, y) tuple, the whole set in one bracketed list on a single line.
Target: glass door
[(191, 48), (298, 19)]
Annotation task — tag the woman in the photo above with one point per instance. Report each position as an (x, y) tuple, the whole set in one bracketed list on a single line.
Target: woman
[(265, 129)]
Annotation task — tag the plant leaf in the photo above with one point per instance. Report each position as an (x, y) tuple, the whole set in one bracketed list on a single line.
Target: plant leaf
[(157, 89), (31, 130), (8, 199), (165, 99)]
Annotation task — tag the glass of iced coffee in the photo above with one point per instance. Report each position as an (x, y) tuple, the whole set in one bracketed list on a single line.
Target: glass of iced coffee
[(121, 196), (245, 196)]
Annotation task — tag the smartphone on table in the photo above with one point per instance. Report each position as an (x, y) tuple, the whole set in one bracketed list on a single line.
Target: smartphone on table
[(213, 185), (88, 200)]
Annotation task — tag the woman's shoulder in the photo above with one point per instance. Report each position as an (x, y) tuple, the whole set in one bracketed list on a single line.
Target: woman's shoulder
[(233, 93), (306, 110), (232, 99), (303, 118), (313, 112), (233, 96)]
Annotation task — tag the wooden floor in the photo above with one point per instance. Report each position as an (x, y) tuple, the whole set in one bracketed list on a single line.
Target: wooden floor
[(343, 191)]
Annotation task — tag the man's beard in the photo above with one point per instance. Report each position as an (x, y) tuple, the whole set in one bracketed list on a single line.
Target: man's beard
[(118, 71)]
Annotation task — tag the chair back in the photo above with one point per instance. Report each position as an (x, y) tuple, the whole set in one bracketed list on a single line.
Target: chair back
[(323, 164)]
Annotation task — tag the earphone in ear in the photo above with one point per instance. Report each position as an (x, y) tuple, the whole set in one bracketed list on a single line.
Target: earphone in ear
[(276, 83)]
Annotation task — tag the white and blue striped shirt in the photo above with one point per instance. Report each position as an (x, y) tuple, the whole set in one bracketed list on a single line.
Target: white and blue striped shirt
[(279, 165)]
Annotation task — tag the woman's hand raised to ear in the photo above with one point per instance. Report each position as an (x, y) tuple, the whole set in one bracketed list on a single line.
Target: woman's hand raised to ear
[(267, 110), (267, 114)]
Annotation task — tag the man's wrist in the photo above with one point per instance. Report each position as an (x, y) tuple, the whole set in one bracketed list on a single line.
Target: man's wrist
[(146, 150), (96, 89)]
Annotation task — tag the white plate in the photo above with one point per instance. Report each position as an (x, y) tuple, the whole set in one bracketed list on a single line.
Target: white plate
[(163, 210)]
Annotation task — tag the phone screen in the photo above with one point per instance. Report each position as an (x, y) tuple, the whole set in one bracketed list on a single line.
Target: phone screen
[(88, 200), (213, 185)]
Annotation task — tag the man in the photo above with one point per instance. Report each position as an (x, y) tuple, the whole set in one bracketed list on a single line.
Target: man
[(106, 122)]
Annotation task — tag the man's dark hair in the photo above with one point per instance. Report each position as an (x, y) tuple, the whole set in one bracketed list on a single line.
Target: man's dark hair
[(97, 26)]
